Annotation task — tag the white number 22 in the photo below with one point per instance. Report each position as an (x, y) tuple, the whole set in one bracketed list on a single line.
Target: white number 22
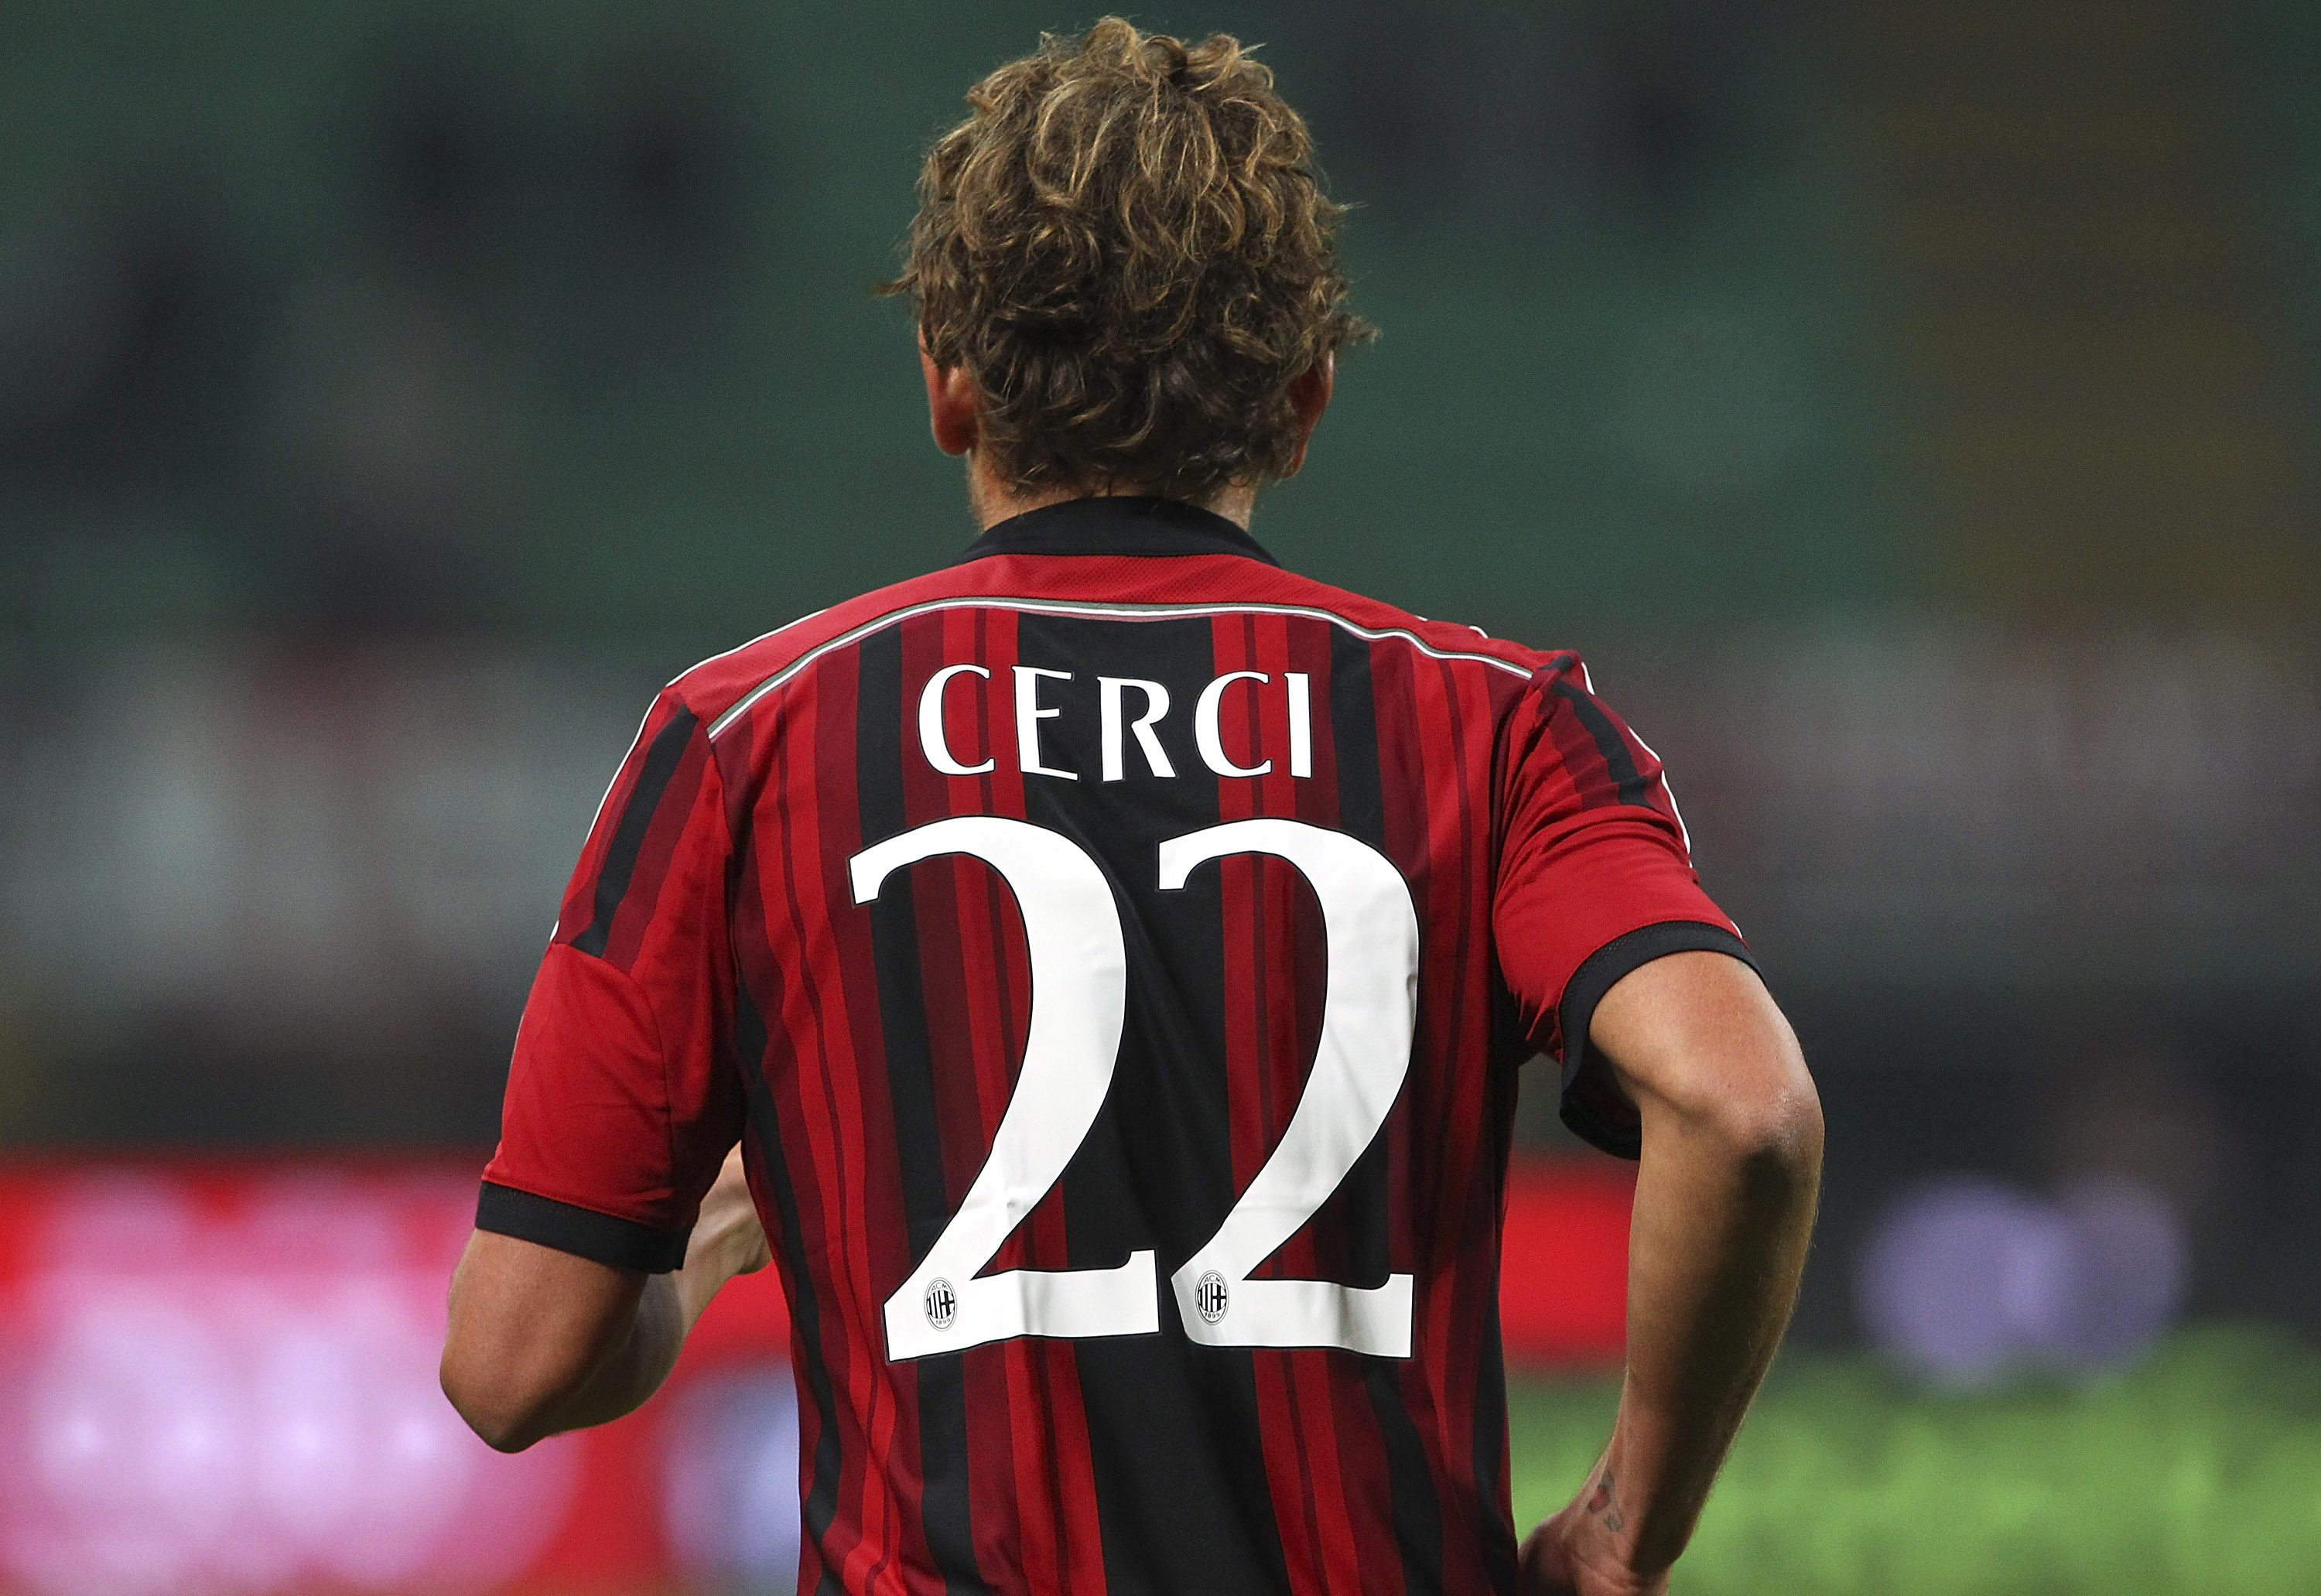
[(1079, 969)]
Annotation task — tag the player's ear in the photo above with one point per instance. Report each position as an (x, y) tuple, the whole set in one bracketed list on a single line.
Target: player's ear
[(1309, 395), (951, 403)]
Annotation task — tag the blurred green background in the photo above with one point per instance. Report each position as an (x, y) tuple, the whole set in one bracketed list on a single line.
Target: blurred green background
[(2201, 1471), (1626, 366), (1910, 410)]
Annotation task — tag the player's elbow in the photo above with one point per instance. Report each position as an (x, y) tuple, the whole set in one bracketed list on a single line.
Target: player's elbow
[(530, 1331), (1752, 1104), (507, 1412), (1782, 1131), (1712, 1065), (1769, 1121)]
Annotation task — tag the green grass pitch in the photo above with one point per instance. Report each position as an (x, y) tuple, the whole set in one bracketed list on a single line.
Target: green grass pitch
[(2199, 1471)]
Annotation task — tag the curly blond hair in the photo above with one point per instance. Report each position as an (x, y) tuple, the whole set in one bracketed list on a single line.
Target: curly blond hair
[(1128, 247)]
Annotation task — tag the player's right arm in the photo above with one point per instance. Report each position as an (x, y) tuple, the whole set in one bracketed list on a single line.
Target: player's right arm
[(1673, 1052), (1732, 1136)]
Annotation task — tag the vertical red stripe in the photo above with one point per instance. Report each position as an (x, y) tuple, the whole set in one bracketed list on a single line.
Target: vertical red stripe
[(1358, 1486), (1409, 706), (892, 1484), (1366, 1485), (809, 1110), (1265, 1065), (1472, 1178), (833, 1103), (940, 888), (1078, 1525), (1032, 1488), (1027, 1462), (1246, 1102), (896, 1480), (765, 972), (976, 720), (992, 1495), (1321, 1381)]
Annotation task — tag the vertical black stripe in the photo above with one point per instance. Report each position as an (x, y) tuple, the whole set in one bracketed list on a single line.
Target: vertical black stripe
[(1361, 813), (944, 1505), (1417, 1513), (1492, 1532), (1353, 733), (663, 757), (820, 1507), (1493, 1527), (1173, 1433), (1361, 1211), (1619, 762)]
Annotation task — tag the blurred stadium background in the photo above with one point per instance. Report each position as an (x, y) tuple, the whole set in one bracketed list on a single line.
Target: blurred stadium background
[(1910, 410)]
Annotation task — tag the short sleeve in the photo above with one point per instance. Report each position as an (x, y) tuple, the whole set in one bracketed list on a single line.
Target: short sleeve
[(622, 1099), (1595, 878)]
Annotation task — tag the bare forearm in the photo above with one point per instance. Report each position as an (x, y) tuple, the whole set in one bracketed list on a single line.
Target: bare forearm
[(536, 1398), (635, 1369), (629, 1374), (1725, 1204), (541, 1342), (1716, 1244)]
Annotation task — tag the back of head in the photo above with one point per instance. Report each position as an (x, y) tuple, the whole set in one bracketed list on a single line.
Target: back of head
[(1126, 245)]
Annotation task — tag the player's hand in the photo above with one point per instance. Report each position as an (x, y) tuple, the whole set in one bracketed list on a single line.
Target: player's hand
[(730, 1214), (1573, 1554), (727, 1239)]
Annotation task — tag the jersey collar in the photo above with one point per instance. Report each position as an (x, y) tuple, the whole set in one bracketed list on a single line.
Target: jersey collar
[(1155, 527)]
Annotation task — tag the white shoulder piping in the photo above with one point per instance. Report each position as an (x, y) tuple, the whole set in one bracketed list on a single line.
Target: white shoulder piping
[(1136, 612)]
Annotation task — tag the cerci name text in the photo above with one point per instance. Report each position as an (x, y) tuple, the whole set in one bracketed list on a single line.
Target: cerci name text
[(1129, 713)]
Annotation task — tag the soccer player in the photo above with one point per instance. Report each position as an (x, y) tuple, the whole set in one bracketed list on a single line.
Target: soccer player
[(1112, 955)]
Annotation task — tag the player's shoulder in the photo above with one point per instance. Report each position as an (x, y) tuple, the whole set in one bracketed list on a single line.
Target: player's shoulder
[(1455, 641), (720, 686)]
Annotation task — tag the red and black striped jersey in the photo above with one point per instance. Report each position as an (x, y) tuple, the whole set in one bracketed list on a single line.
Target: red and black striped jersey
[(1114, 953)]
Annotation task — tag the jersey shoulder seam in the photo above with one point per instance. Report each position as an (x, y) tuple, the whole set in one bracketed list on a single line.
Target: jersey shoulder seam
[(1389, 623)]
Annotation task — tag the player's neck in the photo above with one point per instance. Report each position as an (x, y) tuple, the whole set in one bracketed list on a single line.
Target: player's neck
[(993, 501)]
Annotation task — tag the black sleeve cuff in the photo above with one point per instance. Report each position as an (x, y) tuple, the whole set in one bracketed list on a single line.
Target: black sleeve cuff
[(1595, 1115), (620, 1244)]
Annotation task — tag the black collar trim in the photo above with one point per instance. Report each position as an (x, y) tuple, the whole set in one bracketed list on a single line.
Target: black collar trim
[(1157, 528)]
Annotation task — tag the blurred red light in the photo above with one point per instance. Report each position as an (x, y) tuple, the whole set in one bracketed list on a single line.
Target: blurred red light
[(218, 1375)]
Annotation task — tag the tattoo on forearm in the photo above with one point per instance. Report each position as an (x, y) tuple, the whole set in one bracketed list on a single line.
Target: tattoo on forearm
[(1601, 1502)]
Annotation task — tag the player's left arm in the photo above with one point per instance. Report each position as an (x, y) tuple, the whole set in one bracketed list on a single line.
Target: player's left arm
[(1732, 1133), (543, 1341), (1673, 1051)]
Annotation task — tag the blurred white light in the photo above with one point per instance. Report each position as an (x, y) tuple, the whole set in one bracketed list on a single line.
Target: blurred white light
[(2132, 1268), (245, 1403), (1968, 1281), (731, 1485)]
